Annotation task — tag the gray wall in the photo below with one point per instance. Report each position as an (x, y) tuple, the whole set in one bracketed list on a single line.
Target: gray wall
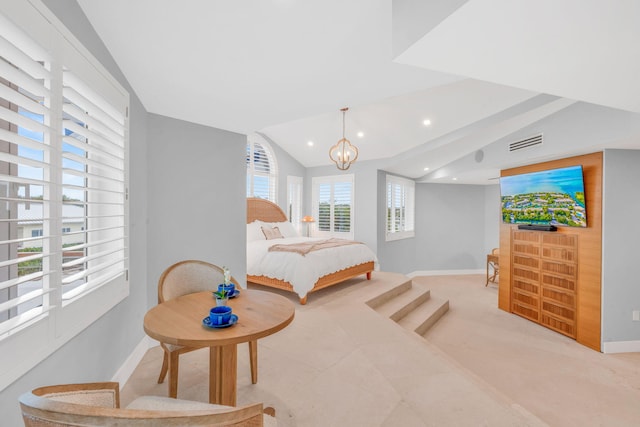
[(197, 198), (492, 217), (447, 236), (99, 351), (621, 233), (396, 255), (450, 226), (449, 230)]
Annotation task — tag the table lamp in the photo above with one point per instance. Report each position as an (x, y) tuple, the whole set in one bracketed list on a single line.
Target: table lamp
[(308, 220)]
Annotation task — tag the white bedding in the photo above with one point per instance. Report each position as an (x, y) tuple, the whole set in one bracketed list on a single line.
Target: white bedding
[(302, 271)]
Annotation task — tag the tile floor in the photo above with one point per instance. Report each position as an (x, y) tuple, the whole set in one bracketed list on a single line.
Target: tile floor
[(340, 363)]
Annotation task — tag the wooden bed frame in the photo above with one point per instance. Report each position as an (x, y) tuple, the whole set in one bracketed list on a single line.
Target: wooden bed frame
[(264, 210)]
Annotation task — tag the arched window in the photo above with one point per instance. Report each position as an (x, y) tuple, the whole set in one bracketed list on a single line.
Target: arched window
[(262, 169)]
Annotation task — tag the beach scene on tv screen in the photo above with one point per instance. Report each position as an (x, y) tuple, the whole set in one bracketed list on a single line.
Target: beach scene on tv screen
[(554, 197)]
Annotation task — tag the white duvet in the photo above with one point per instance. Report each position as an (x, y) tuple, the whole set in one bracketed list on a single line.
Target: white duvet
[(302, 271)]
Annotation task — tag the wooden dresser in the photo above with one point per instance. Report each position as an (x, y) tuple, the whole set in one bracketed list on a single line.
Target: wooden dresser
[(544, 278)]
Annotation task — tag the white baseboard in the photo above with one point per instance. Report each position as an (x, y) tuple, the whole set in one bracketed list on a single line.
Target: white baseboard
[(621, 347), (129, 365), (445, 272)]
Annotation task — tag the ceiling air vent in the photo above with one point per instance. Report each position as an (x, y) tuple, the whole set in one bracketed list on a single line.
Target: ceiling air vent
[(526, 143)]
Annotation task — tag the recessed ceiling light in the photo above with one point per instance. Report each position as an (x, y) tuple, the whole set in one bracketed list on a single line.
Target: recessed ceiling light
[(310, 143), (455, 179), (360, 134), (426, 169), (426, 122)]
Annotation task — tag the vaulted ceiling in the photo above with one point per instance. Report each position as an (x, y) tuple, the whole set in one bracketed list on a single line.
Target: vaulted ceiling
[(483, 72)]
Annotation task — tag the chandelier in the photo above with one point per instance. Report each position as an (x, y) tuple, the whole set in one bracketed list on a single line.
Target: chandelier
[(343, 153)]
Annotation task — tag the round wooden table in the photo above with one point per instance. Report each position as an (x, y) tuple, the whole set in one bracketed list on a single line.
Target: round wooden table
[(179, 321)]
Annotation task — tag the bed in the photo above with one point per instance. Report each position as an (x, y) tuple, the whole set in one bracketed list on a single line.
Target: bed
[(292, 271)]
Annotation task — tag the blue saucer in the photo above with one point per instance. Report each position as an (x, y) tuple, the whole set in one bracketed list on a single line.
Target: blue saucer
[(207, 322)]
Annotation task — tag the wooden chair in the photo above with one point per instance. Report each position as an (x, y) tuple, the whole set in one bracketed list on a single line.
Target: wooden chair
[(493, 265), (98, 404), (183, 278)]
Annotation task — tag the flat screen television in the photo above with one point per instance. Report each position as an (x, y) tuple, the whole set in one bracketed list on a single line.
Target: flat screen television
[(550, 197)]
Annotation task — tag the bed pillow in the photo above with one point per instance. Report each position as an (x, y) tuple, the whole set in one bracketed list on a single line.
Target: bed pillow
[(286, 229), (254, 231), (271, 233)]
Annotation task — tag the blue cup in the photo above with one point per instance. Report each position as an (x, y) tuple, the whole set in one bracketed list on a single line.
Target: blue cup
[(230, 288), (220, 315)]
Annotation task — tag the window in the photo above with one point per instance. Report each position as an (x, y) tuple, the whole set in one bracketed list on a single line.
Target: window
[(294, 202), (333, 205), (63, 160), (262, 171), (400, 208)]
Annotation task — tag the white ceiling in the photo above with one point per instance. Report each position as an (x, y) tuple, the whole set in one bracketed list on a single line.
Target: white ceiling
[(584, 50), (394, 125), (285, 68)]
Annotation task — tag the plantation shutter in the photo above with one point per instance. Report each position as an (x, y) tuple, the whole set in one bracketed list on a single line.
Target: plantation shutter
[(261, 170), (62, 177), (333, 201), (93, 188), (25, 190), (410, 207), (390, 209), (400, 207), (342, 202), (325, 206)]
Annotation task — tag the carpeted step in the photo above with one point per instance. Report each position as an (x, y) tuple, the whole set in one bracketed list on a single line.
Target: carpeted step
[(389, 294), (425, 315), (404, 303)]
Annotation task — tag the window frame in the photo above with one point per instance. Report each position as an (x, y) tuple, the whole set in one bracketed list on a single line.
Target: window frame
[(295, 193), (407, 188), (253, 173), (62, 319), (332, 180)]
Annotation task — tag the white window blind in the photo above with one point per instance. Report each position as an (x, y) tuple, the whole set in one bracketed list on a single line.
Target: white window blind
[(93, 188), (25, 171), (400, 208), (333, 198), (262, 171), (63, 178), (294, 201)]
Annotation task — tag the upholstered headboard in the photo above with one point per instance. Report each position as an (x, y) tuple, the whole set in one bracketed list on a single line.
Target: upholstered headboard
[(264, 210)]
